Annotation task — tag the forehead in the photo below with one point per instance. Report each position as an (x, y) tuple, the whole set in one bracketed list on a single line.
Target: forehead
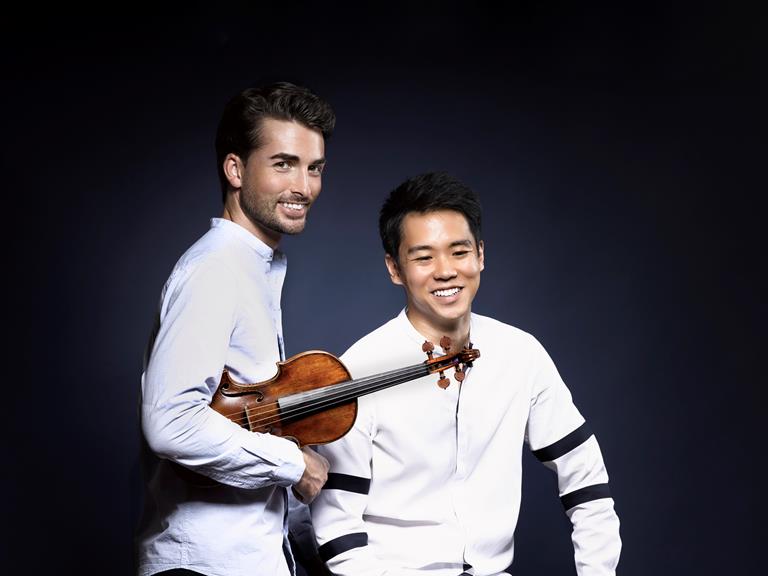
[(290, 137), (434, 228)]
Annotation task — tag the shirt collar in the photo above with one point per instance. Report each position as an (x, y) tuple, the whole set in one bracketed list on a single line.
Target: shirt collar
[(416, 336), (263, 250)]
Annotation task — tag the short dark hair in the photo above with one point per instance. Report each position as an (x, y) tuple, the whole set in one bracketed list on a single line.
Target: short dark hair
[(239, 130), (426, 193)]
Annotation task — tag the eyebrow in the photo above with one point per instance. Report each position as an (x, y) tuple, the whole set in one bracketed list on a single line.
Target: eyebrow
[(293, 158), (467, 243)]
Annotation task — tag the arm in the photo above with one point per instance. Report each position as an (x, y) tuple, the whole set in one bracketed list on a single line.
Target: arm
[(337, 512), (198, 315), (561, 439)]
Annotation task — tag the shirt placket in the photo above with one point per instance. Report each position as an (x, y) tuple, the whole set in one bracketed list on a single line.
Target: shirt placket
[(275, 272), (462, 447)]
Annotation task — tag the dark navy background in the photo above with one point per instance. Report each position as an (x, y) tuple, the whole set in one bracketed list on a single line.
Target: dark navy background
[(619, 156)]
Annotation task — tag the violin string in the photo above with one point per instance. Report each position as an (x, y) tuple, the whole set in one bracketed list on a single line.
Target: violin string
[(349, 393), (344, 384), (307, 407), (290, 415), (273, 414), (351, 384), (362, 382), (304, 407), (339, 393), (343, 399)]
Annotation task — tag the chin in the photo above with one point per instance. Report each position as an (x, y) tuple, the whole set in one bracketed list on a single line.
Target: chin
[(452, 316), (292, 228)]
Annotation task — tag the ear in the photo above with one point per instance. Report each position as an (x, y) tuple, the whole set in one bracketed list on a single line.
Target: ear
[(233, 170), (481, 254), (394, 270)]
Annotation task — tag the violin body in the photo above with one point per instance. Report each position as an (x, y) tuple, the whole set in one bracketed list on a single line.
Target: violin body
[(257, 407)]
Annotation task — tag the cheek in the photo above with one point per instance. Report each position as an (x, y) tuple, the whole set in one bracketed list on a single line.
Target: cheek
[(413, 280), (255, 181), (420, 279), (276, 183), (473, 270)]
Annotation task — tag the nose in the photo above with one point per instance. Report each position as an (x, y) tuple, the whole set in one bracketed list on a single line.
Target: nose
[(301, 184), (444, 268)]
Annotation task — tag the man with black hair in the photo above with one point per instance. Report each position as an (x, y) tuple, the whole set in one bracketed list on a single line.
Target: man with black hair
[(428, 481), (216, 500)]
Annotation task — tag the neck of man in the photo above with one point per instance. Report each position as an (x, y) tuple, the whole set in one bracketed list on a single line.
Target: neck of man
[(457, 330), (234, 213)]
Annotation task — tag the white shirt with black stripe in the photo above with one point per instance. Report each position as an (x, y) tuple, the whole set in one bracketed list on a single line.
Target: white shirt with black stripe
[(428, 481)]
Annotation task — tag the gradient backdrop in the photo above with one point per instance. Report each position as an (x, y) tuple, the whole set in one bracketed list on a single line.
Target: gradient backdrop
[(619, 159)]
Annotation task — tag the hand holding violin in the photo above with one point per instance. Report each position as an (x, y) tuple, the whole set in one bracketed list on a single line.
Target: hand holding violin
[(314, 477)]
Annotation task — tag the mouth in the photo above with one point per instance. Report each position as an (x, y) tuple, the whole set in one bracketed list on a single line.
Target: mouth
[(447, 292), (295, 208)]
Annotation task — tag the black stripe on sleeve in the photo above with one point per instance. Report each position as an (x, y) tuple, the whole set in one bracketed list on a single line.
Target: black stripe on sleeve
[(564, 445), (348, 483), (586, 494), (342, 544)]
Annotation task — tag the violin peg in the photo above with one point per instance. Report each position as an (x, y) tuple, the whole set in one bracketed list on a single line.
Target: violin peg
[(427, 347), (445, 342), (459, 375), (443, 382)]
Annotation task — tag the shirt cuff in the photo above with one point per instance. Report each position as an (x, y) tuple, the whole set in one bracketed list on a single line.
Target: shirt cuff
[(292, 467)]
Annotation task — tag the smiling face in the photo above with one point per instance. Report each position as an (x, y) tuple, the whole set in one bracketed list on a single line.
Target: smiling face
[(275, 187), (439, 265)]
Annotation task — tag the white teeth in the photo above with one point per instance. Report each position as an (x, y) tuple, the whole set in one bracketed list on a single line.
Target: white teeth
[(293, 206), (447, 292)]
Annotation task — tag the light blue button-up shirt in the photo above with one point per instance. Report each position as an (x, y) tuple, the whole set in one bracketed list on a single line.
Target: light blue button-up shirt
[(220, 308)]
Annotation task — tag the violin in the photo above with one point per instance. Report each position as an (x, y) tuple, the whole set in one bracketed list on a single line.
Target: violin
[(312, 399)]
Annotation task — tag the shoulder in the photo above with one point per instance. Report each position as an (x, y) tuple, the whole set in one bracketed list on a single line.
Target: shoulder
[(385, 348), (210, 261), (213, 249), (508, 344), (373, 341), (507, 335)]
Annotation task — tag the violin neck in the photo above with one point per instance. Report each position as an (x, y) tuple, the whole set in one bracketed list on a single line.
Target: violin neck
[(343, 392)]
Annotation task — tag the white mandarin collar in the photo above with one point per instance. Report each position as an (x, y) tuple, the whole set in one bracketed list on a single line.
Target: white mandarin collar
[(263, 250), (417, 337)]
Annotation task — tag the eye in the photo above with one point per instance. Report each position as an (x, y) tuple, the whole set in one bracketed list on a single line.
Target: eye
[(282, 165), (422, 258), (316, 169), (460, 253)]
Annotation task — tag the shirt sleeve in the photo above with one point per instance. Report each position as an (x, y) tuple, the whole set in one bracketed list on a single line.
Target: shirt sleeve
[(198, 314), (337, 512), (562, 440)]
